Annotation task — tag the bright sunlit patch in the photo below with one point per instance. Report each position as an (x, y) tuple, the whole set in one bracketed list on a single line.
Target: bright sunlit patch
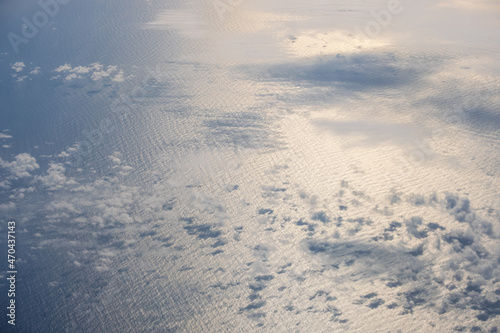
[(186, 22), (471, 5), (314, 43), (210, 23)]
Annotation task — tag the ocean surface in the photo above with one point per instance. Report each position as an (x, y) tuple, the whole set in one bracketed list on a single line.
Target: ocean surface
[(250, 166)]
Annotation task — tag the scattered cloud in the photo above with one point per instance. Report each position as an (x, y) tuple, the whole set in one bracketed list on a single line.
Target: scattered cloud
[(119, 76), (22, 165), (63, 68), (72, 77), (5, 184), (7, 206), (18, 66), (94, 72), (55, 177)]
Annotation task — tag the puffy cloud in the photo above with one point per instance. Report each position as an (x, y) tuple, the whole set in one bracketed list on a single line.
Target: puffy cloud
[(119, 77), (72, 77), (81, 70), (5, 184), (115, 158), (19, 193), (98, 75), (55, 177), (95, 72), (18, 66), (63, 68), (5, 136), (22, 165), (459, 207), (7, 206)]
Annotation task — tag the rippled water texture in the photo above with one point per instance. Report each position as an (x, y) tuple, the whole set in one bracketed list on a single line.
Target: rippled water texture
[(251, 166)]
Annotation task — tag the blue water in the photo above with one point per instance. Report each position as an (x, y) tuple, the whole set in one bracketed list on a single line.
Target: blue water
[(216, 181)]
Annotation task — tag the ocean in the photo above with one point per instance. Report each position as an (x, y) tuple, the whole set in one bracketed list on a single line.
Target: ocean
[(236, 166)]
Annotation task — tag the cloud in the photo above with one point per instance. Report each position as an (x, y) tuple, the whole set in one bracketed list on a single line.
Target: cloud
[(5, 136), (94, 72), (63, 68), (72, 77), (115, 158), (55, 178), (119, 77), (96, 76), (81, 70), (7, 206), (36, 71), (22, 165), (18, 66), (5, 184)]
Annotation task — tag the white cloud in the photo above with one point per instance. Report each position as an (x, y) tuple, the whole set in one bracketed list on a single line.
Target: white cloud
[(21, 166), (18, 66), (55, 177), (72, 77), (63, 68), (96, 76), (81, 70), (5, 136), (119, 77), (115, 159), (19, 193), (63, 154), (7, 206), (96, 66), (64, 206), (94, 71), (35, 71), (5, 184)]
